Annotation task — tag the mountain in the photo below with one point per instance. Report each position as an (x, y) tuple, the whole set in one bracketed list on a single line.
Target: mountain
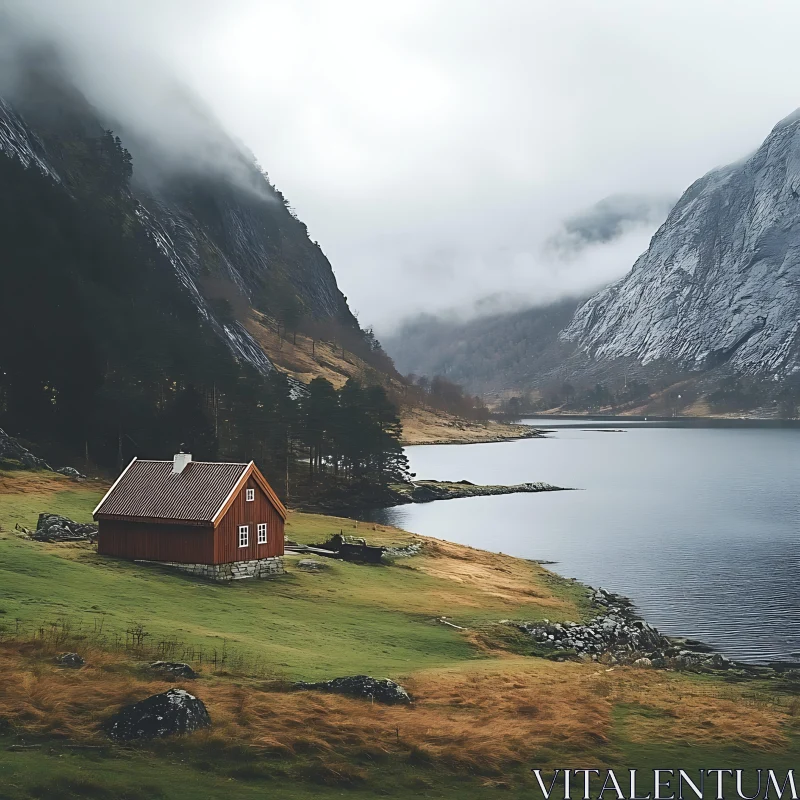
[(487, 355), (140, 295), (720, 282), (228, 233), (706, 321)]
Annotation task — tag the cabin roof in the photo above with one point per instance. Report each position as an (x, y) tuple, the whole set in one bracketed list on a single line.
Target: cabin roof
[(200, 494)]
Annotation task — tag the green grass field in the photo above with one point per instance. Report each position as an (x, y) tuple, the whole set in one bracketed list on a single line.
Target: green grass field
[(57, 773), (345, 619), (485, 713)]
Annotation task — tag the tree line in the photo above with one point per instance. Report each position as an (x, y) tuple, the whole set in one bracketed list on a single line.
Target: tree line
[(302, 437), (442, 394), (721, 394), (104, 356)]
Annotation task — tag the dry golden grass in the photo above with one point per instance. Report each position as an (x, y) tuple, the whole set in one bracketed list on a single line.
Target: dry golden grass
[(664, 707), (44, 699), (483, 718), (306, 359), (490, 575), (303, 359), (423, 426), (33, 482), (481, 722)]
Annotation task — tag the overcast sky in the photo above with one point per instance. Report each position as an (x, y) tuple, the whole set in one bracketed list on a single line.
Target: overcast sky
[(435, 148)]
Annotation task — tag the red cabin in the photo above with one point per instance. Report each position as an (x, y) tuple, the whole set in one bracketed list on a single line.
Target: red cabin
[(218, 520)]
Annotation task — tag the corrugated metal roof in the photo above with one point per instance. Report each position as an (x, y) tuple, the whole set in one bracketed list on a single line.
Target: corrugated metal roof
[(151, 489)]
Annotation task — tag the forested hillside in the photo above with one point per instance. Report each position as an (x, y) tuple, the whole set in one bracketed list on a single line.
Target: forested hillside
[(128, 308), (488, 354)]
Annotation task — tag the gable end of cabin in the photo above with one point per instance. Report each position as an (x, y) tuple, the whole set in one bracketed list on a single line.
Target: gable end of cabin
[(252, 527)]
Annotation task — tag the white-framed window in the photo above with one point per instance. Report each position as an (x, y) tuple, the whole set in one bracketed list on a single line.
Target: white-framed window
[(250, 495), (262, 532), (244, 535)]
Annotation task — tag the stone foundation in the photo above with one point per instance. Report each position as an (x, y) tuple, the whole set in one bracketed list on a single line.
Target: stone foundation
[(237, 570)]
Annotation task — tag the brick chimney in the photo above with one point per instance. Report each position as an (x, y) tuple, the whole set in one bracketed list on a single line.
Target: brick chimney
[(180, 461)]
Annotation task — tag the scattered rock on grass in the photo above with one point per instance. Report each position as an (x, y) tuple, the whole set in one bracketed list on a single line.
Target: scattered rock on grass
[(380, 689), (404, 551), (310, 564), (71, 472), (72, 660), (173, 669), (168, 714)]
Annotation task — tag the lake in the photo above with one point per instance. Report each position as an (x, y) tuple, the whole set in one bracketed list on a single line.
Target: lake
[(700, 527)]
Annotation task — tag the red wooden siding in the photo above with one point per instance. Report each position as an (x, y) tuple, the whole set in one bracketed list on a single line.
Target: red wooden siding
[(242, 512), (151, 541)]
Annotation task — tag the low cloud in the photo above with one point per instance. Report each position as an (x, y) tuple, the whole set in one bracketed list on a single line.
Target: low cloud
[(607, 220), (532, 278), (131, 82), (436, 174)]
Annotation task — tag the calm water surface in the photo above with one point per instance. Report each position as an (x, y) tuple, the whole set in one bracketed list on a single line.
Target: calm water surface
[(700, 527)]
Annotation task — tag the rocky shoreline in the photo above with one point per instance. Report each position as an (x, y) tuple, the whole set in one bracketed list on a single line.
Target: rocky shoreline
[(349, 499), (428, 491), (617, 635)]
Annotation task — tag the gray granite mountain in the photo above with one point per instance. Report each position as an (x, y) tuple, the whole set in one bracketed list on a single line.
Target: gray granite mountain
[(720, 281)]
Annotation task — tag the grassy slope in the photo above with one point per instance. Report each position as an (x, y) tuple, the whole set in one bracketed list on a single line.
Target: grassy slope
[(424, 426), (304, 360), (482, 719), (345, 619)]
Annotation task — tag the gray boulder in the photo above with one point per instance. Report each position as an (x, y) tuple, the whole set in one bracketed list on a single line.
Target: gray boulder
[(171, 713), (14, 456), (55, 528), (173, 669), (380, 689), (71, 472), (72, 660)]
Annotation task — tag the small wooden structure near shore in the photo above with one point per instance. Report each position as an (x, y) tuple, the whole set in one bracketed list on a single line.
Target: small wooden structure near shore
[(217, 520)]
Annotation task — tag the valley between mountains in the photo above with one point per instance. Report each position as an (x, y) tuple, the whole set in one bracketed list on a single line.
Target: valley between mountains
[(153, 307)]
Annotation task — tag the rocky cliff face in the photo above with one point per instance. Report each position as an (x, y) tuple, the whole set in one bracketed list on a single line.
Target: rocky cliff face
[(225, 238), (720, 282)]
